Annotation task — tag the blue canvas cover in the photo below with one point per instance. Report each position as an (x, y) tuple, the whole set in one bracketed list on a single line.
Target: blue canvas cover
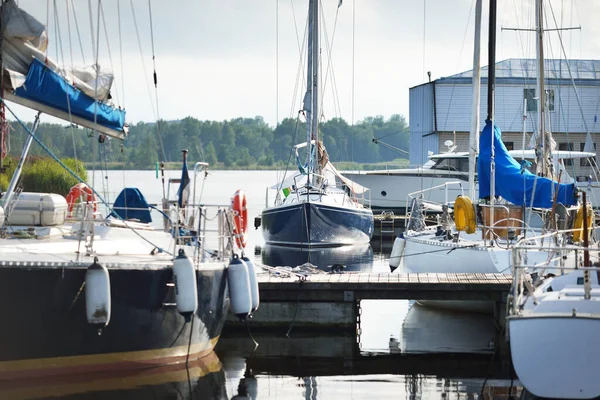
[(514, 183), (45, 86), (131, 204)]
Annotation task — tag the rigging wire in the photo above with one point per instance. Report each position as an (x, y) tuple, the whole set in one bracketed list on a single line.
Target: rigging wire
[(155, 80), (353, 48), (47, 23), (91, 27), (74, 175), (78, 32), (69, 33), (112, 66), (97, 52), (329, 68), (121, 52), (276, 62), (137, 33), (59, 48), (300, 75), (450, 102)]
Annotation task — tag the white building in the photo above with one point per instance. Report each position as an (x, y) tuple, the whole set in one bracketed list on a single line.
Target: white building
[(440, 110)]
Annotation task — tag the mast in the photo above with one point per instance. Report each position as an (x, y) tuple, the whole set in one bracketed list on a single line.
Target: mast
[(490, 94), (315, 83), (474, 135), (311, 98), (543, 156)]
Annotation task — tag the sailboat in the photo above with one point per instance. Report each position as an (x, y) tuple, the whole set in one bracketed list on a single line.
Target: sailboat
[(84, 291), (471, 238), (555, 317), (317, 207)]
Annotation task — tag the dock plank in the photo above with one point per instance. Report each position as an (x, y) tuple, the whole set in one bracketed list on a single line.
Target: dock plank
[(380, 285)]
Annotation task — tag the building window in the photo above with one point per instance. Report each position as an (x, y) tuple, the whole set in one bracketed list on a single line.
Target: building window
[(529, 94), (509, 145), (550, 99), (585, 162), (566, 147)]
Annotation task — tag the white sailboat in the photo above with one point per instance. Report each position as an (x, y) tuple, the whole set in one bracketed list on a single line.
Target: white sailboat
[(553, 322), (479, 238), (89, 292), (316, 207), (554, 318)]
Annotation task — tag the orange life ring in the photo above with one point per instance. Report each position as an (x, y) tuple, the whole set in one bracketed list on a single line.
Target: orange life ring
[(240, 218), (77, 191)]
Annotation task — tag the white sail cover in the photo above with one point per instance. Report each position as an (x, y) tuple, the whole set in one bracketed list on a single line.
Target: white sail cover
[(25, 38), (19, 24)]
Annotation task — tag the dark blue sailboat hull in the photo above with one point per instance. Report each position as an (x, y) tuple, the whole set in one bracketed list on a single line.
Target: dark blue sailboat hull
[(317, 225)]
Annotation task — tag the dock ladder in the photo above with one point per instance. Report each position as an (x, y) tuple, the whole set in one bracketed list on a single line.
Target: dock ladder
[(387, 227)]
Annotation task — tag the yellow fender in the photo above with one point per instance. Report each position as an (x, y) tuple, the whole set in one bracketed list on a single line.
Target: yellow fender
[(578, 225), (464, 215)]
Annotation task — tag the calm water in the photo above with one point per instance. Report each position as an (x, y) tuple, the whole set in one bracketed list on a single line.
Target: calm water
[(405, 351)]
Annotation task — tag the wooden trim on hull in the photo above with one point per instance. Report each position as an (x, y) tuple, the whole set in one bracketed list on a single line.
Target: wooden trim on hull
[(59, 386), (126, 361)]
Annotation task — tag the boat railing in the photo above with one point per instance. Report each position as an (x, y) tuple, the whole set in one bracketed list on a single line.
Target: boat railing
[(421, 196), (561, 259), (209, 228)]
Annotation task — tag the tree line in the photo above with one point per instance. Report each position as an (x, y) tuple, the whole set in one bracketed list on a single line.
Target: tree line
[(239, 142)]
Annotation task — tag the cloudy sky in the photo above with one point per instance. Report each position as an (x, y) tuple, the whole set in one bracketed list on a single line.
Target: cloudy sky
[(221, 59)]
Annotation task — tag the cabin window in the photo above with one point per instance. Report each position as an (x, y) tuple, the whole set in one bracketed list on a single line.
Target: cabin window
[(509, 145), (566, 147), (529, 94), (452, 164), (585, 162)]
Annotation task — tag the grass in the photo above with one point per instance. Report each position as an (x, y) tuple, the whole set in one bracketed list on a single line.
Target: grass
[(42, 174)]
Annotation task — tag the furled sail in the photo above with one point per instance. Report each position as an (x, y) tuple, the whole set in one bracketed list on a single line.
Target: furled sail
[(33, 80), (514, 183)]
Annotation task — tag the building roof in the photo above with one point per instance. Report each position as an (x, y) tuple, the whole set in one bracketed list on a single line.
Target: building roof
[(527, 68)]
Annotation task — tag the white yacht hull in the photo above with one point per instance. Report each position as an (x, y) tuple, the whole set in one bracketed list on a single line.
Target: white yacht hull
[(556, 356), (424, 253), (389, 190)]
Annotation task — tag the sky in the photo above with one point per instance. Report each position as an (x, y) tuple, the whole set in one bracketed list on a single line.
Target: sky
[(223, 59)]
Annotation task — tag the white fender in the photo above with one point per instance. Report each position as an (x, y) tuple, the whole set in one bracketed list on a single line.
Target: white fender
[(186, 289), (97, 294), (253, 283), (397, 252), (239, 287)]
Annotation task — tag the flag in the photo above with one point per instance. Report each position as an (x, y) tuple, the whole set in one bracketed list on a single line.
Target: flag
[(183, 194), (286, 192), (589, 144)]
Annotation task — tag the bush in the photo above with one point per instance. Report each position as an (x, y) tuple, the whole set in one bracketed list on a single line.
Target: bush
[(44, 175)]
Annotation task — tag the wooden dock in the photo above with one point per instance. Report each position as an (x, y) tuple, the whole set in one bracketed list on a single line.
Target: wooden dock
[(332, 302), (349, 287)]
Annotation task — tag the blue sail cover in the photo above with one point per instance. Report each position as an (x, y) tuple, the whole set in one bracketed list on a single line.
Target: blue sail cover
[(45, 86), (131, 204), (513, 183)]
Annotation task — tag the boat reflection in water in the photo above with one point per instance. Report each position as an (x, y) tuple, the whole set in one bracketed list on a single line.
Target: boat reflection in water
[(352, 258), (327, 366), (201, 379), (428, 329)]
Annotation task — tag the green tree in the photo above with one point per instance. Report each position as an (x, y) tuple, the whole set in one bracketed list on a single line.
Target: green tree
[(210, 154)]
